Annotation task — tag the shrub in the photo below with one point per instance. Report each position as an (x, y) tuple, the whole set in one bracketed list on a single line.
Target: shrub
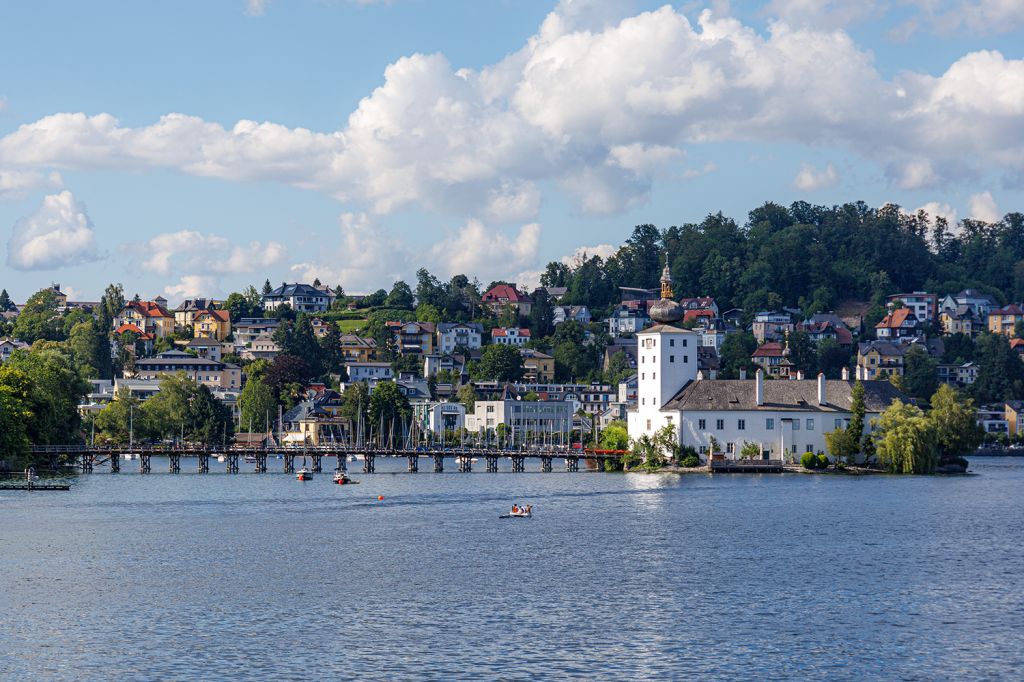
[(822, 460), (690, 461), (809, 461)]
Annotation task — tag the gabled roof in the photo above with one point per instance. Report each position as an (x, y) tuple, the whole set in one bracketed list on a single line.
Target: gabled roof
[(799, 396), (883, 348), (1012, 309), (356, 341), (503, 331), (134, 329), (697, 313), (1017, 345), (221, 315), (505, 292), (193, 305), (771, 349), (445, 327), (898, 319), (147, 309), (698, 302), (297, 289)]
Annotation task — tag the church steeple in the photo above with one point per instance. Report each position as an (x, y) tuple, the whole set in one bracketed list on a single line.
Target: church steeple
[(666, 281), (666, 311)]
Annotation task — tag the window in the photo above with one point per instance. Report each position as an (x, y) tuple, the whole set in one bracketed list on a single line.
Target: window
[(769, 424), (672, 343), (796, 424), (810, 448), (741, 424), (671, 358), (719, 424), (642, 375), (730, 447), (839, 423), (701, 424), (686, 359), (684, 343), (703, 449), (654, 375), (810, 424), (648, 424)]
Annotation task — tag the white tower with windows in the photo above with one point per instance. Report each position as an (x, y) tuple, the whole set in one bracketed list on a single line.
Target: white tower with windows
[(666, 361)]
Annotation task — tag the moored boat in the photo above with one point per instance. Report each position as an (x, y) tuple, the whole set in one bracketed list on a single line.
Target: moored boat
[(304, 474), (341, 478)]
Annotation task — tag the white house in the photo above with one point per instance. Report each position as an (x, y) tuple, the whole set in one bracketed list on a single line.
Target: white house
[(302, 298), (8, 346), (510, 336), (627, 320), (576, 313), (441, 417), (453, 334), (370, 372)]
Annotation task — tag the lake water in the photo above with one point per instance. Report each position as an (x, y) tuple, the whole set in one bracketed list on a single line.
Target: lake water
[(616, 577)]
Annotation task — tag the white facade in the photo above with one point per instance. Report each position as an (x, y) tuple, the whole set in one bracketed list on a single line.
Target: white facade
[(369, 372), (510, 336), (778, 432), (441, 417), (521, 416), (667, 361), (469, 335)]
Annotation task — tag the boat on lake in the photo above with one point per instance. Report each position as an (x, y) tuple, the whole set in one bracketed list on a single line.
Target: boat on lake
[(304, 474), (341, 478)]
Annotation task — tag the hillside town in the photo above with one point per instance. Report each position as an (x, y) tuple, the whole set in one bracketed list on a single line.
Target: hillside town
[(307, 363)]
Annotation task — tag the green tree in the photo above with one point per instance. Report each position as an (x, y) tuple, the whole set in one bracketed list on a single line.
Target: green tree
[(330, 353), (389, 411), (541, 315), (55, 391), (842, 445), (467, 396), (6, 304), (498, 362), (905, 440), (39, 319), (615, 436), (920, 373), (400, 296), (15, 414), (802, 352), (735, 355), (1000, 371), (425, 312), (86, 346), (832, 358), (257, 404), (858, 412), (355, 404), (122, 421), (955, 423)]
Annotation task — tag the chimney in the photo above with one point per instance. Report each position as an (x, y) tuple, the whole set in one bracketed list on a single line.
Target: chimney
[(743, 375), (759, 387), (821, 389), (846, 373)]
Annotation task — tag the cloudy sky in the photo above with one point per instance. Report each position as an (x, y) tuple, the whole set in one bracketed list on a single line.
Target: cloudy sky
[(195, 147)]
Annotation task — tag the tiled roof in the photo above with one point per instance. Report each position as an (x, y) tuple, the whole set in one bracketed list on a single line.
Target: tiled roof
[(445, 327), (149, 309), (696, 313), (501, 331), (781, 395), (882, 348), (289, 290), (768, 350), (1012, 309), (222, 315), (500, 292), (896, 319)]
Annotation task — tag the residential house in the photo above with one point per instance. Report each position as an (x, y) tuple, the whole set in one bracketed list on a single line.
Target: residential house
[(708, 362), (320, 328), (370, 372), (554, 294), (1017, 346), (771, 325), (212, 324), (733, 316), (1004, 320), (627, 391), (212, 373), (713, 335), (521, 417), (444, 417), (355, 348), (262, 348), (208, 348), (980, 304), (959, 320), (59, 296), (149, 316), (925, 306), (141, 339), (101, 393), (773, 358), (432, 364), (576, 313), (140, 389), (879, 359), (501, 295), (634, 294), (538, 367), (628, 347), (416, 338), (992, 419), (510, 336), (699, 303), (595, 398), (249, 329), (8, 345), (313, 422), (185, 313), (451, 335), (898, 325), (627, 319), (1014, 414), (302, 298), (823, 326)]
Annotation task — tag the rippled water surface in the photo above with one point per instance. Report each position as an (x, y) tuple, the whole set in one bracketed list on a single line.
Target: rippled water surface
[(616, 577)]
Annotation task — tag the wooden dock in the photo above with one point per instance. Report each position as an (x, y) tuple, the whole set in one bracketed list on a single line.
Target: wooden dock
[(747, 466), (35, 486)]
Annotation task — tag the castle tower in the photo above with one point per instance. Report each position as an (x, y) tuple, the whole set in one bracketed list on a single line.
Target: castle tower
[(666, 361)]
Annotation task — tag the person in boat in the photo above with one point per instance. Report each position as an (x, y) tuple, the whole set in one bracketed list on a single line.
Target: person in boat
[(515, 508), (529, 509)]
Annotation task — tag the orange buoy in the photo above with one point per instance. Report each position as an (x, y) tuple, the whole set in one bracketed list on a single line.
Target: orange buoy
[(380, 497)]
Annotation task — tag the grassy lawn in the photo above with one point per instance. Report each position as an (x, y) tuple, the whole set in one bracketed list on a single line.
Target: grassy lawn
[(349, 326)]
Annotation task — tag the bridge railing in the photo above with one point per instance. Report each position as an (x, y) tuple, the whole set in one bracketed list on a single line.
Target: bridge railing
[(336, 449)]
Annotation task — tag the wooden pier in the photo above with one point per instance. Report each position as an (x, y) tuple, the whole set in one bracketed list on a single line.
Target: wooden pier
[(747, 466), (86, 458)]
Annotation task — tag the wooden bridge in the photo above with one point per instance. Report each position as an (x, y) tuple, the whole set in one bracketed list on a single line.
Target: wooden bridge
[(86, 457)]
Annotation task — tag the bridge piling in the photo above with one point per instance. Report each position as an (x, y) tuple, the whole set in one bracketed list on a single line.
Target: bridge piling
[(317, 465), (414, 463), (289, 463), (145, 463), (87, 462), (465, 464), (545, 465), (368, 463), (115, 463), (261, 463), (204, 463), (438, 464), (232, 462), (518, 464), (572, 464), (342, 465), (174, 463), (492, 464)]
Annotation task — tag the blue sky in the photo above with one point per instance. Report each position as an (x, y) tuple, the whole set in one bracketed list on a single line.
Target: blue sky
[(472, 136)]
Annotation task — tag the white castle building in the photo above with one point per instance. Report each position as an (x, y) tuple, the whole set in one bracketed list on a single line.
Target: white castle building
[(784, 417)]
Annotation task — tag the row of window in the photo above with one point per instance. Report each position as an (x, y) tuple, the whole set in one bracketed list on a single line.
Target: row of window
[(769, 424)]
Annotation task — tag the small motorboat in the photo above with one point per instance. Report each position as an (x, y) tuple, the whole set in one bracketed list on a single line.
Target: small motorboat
[(221, 458), (129, 456), (304, 474), (341, 478), (250, 459), (519, 513)]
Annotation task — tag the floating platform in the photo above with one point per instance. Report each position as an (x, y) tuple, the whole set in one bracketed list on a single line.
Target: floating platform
[(35, 486)]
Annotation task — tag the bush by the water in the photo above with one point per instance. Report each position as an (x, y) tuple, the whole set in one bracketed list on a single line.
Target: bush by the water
[(809, 461), (690, 461), (822, 461)]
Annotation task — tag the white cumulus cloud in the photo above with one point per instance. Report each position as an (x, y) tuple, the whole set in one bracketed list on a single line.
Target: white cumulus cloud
[(983, 207), (810, 178), (59, 234), (16, 184)]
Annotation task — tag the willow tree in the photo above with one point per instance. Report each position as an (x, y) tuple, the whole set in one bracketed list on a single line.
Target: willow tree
[(905, 440), (955, 424)]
